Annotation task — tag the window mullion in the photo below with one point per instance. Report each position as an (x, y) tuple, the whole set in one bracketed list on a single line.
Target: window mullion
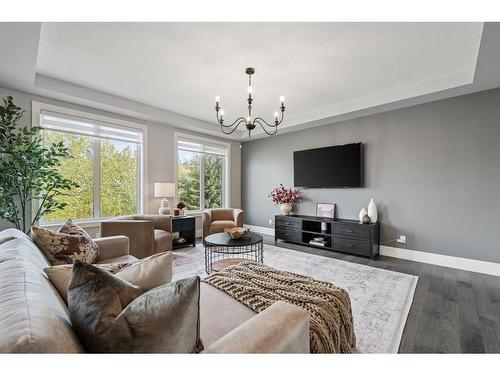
[(202, 181), (97, 178)]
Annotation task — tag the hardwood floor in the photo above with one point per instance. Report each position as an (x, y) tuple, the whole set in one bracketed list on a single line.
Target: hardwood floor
[(453, 311)]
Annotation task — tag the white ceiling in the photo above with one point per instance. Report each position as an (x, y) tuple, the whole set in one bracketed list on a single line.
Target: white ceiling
[(170, 72)]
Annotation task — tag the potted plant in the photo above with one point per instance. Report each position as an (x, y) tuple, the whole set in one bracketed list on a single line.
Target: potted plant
[(181, 207), (29, 171), (286, 198)]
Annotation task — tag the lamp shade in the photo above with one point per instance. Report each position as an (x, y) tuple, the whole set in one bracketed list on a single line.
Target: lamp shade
[(164, 189)]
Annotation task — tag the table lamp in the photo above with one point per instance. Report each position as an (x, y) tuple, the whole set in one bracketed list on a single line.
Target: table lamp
[(164, 190)]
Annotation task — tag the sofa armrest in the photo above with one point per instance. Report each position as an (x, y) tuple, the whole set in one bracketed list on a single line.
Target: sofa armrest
[(112, 247), (281, 328), (238, 217)]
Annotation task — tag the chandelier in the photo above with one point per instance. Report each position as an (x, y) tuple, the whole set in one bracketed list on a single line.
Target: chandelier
[(250, 123)]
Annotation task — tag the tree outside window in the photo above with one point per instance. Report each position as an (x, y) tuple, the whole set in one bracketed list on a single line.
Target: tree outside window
[(201, 175)]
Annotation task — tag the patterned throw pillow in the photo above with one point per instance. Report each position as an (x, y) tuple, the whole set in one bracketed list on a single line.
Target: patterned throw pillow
[(110, 315), (146, 273), (68, 244)]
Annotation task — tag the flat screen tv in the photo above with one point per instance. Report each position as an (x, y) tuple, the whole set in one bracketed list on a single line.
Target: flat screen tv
[(329, 167)]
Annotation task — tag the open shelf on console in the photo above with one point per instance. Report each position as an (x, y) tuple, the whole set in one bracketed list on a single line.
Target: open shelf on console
[(309, 236), (314, 226)]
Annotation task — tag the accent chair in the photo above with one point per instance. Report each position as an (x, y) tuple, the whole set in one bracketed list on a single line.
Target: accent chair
[(148, 234), (215, 220)]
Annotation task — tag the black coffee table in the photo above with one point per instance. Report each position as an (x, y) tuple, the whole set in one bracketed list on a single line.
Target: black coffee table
[(222, 251)]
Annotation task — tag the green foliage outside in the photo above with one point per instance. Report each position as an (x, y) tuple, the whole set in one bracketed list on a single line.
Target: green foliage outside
[(213, 181), (118, 177), (189, 179), (29, 171)]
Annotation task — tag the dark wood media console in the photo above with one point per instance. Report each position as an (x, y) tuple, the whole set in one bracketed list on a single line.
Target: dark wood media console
[(347, 236)]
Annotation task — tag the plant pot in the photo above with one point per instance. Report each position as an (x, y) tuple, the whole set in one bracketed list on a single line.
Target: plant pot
[(286, 208)]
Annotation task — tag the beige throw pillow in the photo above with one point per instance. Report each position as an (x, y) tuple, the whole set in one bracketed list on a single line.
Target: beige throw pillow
[(110, 315), (146, 273), (68, 244)]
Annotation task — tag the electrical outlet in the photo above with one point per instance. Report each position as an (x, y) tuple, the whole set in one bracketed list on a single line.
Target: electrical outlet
[(270, 221), (401, 239)]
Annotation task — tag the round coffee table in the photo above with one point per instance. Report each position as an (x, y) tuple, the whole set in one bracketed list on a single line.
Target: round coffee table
[(222, 251)]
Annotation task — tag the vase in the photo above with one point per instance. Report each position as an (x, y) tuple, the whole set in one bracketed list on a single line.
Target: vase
[(286, 208), (372, 211), (362, 213)]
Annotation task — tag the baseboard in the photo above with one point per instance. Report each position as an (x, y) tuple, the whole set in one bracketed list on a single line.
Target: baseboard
[(263, 230), (466, 264)]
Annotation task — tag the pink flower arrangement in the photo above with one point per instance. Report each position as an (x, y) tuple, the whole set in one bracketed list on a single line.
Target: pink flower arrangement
[(281, 194)]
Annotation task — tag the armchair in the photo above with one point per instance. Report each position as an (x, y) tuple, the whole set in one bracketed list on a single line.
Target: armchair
[(215, 220), (148, 234)]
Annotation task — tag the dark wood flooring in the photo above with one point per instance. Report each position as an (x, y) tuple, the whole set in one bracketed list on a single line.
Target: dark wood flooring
[(453, 311)]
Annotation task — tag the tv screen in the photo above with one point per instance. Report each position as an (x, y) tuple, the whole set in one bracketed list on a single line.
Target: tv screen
[(328, 167)]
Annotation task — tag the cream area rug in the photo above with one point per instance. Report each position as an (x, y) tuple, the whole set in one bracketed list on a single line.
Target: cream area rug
[(381, 299)]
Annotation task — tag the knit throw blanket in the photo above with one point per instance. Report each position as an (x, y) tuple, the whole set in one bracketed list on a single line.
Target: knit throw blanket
[(259, 286)]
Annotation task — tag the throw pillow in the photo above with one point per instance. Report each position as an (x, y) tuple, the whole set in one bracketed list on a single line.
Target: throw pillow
[(68, 244), (147, 273), (110, 315)]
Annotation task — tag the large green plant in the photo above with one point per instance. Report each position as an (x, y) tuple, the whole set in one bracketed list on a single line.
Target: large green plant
[(28, 171)]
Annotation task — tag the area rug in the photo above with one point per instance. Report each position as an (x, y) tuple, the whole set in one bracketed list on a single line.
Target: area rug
[(381, 299)]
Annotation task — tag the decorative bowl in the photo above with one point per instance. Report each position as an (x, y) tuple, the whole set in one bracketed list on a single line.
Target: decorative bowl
[(237, 232)]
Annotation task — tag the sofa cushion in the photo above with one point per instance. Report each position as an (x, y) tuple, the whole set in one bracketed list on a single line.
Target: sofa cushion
[(120, 259), (219, 314), (68, 244), (6, 238), (147, 273), (111, 315), (218, 226), (33, 318), (22, 248), (163, 240)]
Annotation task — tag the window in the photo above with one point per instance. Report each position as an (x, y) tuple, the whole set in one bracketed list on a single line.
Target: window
[(202, 173), (106, 163)]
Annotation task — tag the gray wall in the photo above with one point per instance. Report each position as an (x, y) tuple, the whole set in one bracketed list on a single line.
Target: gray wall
[(161, 152), (433, 170)]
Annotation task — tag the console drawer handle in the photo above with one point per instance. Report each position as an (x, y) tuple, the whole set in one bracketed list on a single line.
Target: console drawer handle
[(350, 231), (350, 245)]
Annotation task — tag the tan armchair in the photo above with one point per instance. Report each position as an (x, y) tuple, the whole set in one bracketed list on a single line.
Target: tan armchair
[(215, 220), (148, 234)]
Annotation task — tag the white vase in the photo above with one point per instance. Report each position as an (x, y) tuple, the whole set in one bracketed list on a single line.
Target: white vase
[(286, 208), (372, 211), (362, 214)]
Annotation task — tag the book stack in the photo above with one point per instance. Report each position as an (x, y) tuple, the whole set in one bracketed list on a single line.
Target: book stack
[(318, 241)]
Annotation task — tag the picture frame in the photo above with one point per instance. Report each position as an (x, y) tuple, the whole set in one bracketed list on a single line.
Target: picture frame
[(325, 210)]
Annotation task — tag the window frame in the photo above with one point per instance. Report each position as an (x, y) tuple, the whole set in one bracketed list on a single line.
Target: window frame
[(38, 107), (226, 175)]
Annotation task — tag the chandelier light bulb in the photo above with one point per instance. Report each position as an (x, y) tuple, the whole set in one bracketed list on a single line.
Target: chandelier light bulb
[(217, 98), (248, 119), (275, 114), (250, 89), (222, 112), (282, 99)]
